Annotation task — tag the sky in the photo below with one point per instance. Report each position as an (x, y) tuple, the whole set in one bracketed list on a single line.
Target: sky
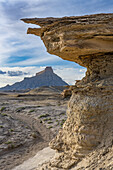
[(23, 55)]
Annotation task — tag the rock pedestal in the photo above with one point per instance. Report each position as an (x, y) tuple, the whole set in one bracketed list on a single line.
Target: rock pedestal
[(88, 41)]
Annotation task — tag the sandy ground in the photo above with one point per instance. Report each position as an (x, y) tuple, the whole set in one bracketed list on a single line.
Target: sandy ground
[(41, 157), (27, 124)]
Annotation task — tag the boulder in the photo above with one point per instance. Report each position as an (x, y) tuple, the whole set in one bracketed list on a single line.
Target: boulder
[(67, 92)]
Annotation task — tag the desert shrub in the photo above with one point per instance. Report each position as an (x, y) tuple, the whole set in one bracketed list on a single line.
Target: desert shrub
[(40, 121), (46, 119), (49, 127), (11, 146), (31, 111), (11, 130), (20, 109), (49, 122), (4, 114), (8, 142), (45, 115), (57, 123), (5, 103), (62, 122), (2, 109)]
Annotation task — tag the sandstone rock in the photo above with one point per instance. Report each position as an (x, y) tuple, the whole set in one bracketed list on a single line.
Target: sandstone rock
[(66, 92), (88, 41)]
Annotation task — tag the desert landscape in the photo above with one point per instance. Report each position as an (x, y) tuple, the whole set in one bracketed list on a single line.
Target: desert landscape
[(28, 121), (56, 85)]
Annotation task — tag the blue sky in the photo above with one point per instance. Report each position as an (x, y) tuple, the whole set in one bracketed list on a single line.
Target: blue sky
[(19, 50)]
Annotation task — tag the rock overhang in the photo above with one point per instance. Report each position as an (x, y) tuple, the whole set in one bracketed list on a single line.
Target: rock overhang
[(75, 39), (87, 40)]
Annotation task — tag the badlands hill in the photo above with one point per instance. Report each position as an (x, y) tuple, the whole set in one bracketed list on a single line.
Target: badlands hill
[(44, 78)]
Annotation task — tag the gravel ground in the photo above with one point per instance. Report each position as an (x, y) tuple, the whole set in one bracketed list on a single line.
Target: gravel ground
[(27, 123)]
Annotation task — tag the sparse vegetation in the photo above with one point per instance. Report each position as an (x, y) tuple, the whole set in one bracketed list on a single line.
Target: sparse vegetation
[(45, 115), (49, 127), (31, 111), (11, 146), (8, 142), (2, 109), (57, 124), (5, 103), (11, 130), (46, 119), (20, 118), (20, 109), (4, 114), (49, 122), (62, 122)]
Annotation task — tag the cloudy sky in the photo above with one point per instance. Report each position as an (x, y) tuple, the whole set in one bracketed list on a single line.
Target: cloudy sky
[(23, 55)]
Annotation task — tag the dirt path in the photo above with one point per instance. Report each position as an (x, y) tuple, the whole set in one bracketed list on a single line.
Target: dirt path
[(35, 124), (27, 124), (12, 157)]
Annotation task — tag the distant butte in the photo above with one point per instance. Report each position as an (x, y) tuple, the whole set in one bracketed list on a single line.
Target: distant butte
[(88, 41), (44, 78)]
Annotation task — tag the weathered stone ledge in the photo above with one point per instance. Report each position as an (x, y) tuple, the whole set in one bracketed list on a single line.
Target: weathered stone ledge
[(88, 41)]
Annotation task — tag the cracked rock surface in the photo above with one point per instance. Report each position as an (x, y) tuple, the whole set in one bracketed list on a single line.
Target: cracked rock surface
[(88, 130)]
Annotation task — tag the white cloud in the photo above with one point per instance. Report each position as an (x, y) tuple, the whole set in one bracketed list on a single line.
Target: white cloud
[(14, 40), (13, 37), (70, 74), (15, 43), (37, 60), (5, 79), (16, 73)]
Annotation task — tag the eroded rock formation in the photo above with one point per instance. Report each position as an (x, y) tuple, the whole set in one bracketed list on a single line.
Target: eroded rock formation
[(88, 41)]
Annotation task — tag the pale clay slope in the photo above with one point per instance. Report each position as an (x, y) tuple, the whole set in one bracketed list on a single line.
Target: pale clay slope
[(41, 157)]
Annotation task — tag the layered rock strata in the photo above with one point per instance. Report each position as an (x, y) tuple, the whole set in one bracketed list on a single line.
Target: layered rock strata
[(88, 41)]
